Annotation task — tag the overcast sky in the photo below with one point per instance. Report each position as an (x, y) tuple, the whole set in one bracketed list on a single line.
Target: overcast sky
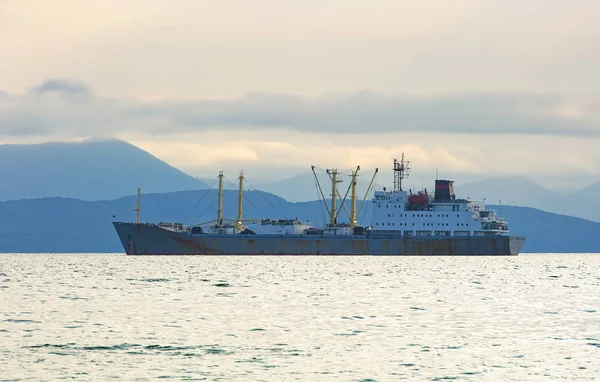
[(479, 87)]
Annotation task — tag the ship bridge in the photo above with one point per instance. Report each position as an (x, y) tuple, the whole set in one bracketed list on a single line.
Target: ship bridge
[(421, 214)]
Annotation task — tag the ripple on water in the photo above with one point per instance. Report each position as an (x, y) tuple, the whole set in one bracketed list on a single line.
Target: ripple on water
[(419, 318)]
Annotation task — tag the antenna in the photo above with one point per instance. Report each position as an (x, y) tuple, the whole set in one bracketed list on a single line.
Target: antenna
[(401, 170), (220, 207), (353, 202), (137, 208)]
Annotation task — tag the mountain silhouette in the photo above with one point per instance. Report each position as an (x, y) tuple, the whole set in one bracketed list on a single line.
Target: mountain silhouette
[(71, 225), (89, 170)]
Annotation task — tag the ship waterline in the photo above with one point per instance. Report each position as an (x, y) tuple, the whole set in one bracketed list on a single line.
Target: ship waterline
[(150, 239)]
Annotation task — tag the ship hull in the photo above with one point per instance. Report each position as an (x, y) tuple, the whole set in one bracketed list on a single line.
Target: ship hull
[(149, 239)]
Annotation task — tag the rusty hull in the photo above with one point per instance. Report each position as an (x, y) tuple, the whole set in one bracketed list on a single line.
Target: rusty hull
[(149, 239)]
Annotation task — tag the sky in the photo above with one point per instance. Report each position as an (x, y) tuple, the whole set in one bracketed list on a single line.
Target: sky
[(475, 88)]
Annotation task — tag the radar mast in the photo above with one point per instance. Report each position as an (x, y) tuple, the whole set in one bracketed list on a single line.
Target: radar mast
[(401, 170)]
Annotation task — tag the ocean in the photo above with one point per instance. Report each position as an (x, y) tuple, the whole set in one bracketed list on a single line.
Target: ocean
[(108, 316)]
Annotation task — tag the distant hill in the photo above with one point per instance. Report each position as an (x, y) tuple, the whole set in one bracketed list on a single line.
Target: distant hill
[(514, 191), (520, 191), (550, 232), (592, 191), (70, 225), (88, 170), (585, 203)]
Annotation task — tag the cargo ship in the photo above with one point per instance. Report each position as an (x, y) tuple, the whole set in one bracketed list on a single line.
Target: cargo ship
[(402, 223)]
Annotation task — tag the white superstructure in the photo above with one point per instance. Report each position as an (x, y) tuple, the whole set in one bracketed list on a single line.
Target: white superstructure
[(421, 214)]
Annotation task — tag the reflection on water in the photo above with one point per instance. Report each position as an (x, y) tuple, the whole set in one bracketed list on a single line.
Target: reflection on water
[(94, 317)]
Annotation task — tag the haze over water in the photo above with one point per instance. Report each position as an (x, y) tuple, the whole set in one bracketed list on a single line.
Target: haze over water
[(101, 316)]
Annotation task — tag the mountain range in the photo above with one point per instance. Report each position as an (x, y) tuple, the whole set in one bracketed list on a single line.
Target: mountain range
[(102, 169), (71, 225), (89, 170), (61, 197)]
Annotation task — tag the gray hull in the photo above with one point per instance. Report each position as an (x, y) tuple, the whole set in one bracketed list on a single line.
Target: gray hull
[(149, 239)]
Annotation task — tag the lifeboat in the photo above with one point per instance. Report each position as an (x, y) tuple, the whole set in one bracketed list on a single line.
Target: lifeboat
[(418, 199)]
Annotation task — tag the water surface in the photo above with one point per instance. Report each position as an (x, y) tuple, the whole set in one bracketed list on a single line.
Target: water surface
[(105, 316)]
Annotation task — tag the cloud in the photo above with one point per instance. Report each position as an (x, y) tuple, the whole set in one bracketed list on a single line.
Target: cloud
[(144, 47), (363, 112), (371, 113), (278, 154), (61, 86), (277, 134)]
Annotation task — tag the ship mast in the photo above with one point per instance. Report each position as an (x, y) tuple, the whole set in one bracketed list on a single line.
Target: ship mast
[(220, 208), (353, 222), (334, 181), (354, 213), (401, 170), (238, 223), (368, 190), (137, 208)]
